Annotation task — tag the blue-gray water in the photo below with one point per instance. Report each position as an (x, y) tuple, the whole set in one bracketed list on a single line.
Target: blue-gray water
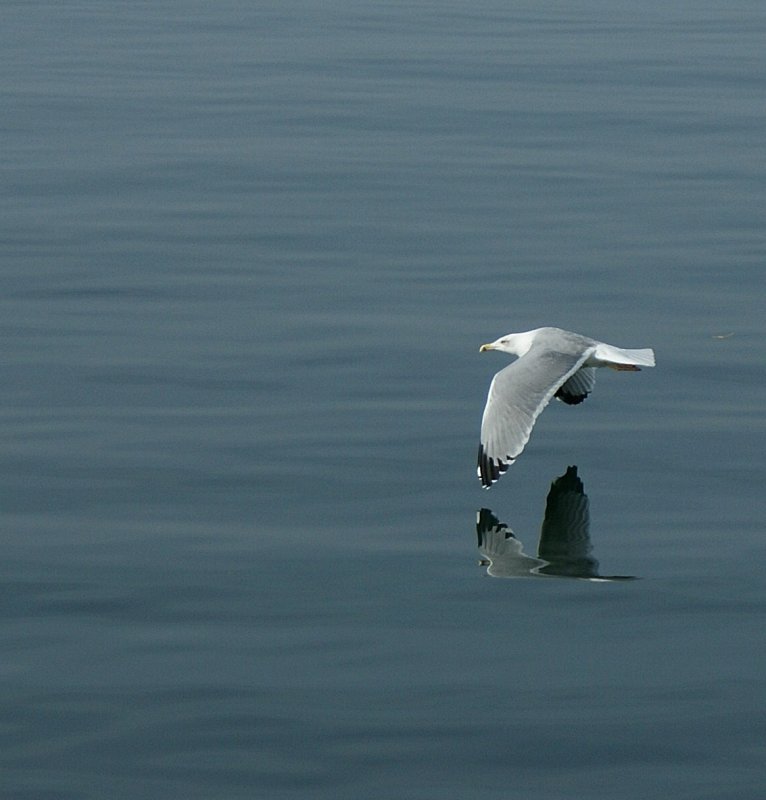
[(248, 254)]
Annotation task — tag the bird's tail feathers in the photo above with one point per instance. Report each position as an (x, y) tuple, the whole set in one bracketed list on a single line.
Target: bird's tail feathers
[(643, 357)]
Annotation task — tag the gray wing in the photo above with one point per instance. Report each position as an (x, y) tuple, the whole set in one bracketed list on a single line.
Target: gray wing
[(578, 387), (517, 396)]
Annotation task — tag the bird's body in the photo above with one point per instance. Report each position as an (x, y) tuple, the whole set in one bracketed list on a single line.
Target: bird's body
[(551, 362)]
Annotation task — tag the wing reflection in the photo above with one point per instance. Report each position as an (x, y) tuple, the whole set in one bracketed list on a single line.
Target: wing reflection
[(564, 549)]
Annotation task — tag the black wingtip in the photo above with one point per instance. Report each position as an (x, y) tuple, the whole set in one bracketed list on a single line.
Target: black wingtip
[(489, 469), (569, 398)]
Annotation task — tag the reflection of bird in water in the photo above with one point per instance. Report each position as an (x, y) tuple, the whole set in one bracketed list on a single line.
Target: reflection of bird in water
[(564, 549)]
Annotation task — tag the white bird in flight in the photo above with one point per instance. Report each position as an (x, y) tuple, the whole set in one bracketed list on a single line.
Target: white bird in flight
[(552, 363)]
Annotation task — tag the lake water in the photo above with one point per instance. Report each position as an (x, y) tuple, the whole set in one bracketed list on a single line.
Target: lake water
[(249, 252)]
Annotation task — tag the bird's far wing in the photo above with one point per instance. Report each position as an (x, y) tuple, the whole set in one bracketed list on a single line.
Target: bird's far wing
[(517, 396), (578, 387)]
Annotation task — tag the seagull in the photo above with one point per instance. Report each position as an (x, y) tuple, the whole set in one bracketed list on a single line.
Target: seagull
[(551, 363)]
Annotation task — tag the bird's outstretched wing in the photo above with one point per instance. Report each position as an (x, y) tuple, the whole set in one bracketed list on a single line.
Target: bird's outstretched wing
[(517, 396)]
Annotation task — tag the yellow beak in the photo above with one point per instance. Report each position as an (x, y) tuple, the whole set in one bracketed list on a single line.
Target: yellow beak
[(485, 347)]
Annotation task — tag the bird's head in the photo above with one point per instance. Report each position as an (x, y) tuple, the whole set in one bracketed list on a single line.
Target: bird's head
[(504, 343), (516, 344)]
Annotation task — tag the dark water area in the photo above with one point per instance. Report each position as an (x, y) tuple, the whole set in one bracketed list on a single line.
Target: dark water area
[(248, 255)]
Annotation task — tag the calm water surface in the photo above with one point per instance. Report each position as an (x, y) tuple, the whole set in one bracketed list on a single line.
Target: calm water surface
[(248, 255)]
